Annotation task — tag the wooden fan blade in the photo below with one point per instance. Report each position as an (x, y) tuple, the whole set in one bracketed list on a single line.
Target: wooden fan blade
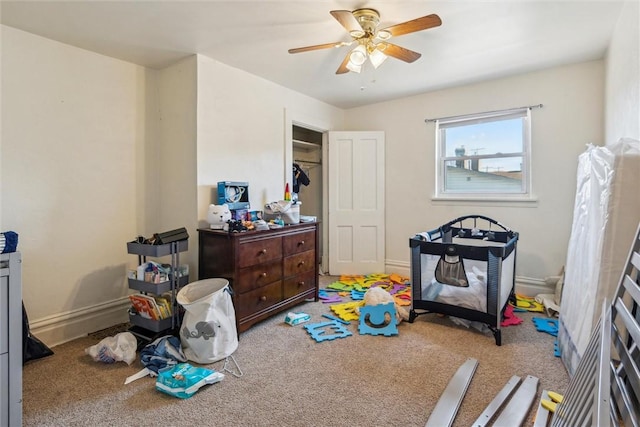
[(398, 52), (343, 67), (414, 25), (317, 47), (346, 19)]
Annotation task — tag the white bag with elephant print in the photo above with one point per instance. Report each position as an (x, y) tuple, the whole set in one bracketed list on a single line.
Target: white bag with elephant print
[(208, 332)]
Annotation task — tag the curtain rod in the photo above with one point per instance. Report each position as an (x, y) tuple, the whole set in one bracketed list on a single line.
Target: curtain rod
[(485, 113)]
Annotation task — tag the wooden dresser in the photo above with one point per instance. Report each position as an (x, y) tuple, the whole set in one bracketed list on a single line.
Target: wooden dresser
[(269, 271)]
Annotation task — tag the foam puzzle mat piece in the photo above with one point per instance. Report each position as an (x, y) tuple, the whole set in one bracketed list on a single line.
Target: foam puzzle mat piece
[(377, 316), (337, 319), (359, 288), (396, 288), (340, 286), (322, 331), (347, 311), (549, 326), (356, 295), (394, 277), (402, 300), (528, 303)]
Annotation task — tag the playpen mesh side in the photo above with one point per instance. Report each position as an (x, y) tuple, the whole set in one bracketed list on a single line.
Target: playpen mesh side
[(498, 276), (493, 282)]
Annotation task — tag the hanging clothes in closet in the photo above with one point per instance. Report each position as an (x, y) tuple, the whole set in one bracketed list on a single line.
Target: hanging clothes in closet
[(299, 177)]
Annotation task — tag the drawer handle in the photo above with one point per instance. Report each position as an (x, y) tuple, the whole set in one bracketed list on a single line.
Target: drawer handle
[(301, 263), (263, 298), (264, 251), (264, 274), (301, 242), (301, 283)]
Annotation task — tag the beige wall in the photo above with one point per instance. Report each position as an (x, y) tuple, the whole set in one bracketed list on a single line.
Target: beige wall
[(73, 137), (244, 132), (572, 116), (175, 187), (623, 77)]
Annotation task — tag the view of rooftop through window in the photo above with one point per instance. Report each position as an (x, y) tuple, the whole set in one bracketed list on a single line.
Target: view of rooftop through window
[(484, 154), (488, 139)]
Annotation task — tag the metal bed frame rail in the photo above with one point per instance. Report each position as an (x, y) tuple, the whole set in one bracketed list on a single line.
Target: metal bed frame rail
[(605, 389)]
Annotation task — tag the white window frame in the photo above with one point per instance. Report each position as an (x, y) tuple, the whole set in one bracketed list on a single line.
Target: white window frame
[(441, 124)]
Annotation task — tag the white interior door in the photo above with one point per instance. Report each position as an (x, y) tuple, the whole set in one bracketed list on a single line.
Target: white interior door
[(356, 202)]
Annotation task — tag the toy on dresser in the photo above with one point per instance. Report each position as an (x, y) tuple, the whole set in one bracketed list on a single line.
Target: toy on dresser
[(218, 217)]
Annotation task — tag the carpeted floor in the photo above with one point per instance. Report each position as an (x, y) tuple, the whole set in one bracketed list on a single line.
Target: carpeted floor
[(290, 379)]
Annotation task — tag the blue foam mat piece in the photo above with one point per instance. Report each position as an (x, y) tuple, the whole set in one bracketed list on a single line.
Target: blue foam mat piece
[(321, 331), (376, 316), (549, 326)]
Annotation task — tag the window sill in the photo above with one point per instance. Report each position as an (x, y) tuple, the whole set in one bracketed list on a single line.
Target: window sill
[(524, 202)]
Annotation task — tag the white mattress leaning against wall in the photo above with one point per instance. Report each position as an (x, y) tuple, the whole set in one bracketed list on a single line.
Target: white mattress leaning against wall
[(606, 214)]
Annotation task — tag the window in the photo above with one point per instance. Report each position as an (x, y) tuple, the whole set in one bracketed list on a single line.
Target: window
[(484, 155)]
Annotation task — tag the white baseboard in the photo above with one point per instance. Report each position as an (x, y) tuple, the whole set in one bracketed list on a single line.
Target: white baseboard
[(399, 267), (63, 327), (531, 287)]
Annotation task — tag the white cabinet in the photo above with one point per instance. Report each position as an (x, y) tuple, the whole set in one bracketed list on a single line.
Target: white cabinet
[(10, 339)]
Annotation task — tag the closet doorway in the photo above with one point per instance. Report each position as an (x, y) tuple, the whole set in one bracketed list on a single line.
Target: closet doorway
[(307, 164)]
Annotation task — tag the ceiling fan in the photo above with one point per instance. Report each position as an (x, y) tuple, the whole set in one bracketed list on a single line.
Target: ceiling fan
[(362, 25)]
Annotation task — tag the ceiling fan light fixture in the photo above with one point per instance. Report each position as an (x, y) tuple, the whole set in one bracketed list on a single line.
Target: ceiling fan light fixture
[(383, 35), (358, 55), (377, 58), (353, 67), (362, 26)]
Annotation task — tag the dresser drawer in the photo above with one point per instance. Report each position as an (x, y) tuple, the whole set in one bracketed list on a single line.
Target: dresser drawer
[(299, 242), (300, 263), (298, 284), (271, 271), (258, 299), (259, 251), (257, 276)]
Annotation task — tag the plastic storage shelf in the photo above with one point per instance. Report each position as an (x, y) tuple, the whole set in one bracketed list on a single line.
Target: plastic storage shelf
[(148, 329), (156, 288)]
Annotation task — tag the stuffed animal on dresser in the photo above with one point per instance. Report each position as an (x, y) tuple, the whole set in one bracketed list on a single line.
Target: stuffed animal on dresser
[(217, 217)]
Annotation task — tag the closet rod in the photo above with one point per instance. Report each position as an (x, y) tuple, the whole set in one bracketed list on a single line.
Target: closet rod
[(307, 144), (307, 162)]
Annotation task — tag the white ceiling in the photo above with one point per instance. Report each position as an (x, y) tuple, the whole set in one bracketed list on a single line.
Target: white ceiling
[(478, 40)]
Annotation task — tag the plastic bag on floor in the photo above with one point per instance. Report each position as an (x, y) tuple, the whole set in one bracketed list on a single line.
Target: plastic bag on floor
[(119, 348), (32, 347)]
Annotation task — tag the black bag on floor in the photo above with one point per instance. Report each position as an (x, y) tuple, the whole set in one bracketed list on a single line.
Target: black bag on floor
[(32, 347)]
